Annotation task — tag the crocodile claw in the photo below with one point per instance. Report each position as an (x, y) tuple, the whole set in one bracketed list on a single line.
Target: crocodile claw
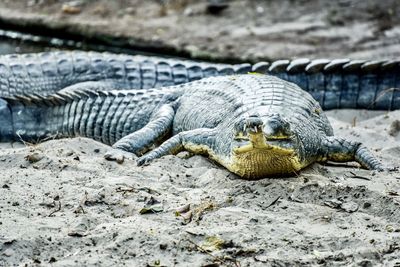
[(143, 160), (391, 169), (118, 155)]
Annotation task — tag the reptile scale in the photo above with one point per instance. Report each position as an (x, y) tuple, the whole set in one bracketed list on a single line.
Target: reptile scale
[(256, 120)]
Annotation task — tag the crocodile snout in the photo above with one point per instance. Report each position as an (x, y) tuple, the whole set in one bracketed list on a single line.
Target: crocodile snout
[(276, 127)]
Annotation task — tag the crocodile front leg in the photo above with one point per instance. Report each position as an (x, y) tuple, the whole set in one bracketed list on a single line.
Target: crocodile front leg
[(342, 150), (199, 141), (142, 140)]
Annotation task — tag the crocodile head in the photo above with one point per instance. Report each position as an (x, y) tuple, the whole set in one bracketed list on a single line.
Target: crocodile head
[(264, 146)]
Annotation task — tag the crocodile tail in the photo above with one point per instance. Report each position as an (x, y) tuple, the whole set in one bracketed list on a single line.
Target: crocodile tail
[(19, 73), (345, 83), (28, 117), (6, 122)]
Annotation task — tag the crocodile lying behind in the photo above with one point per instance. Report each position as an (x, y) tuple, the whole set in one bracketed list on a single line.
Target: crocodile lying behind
[(337, 83), (254, 125)]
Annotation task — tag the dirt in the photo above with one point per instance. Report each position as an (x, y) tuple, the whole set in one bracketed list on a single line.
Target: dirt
[(62, 204), (244, 31)]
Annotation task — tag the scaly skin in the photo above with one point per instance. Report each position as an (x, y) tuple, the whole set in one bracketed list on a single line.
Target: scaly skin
[(254, 125), (47, 73), (338, 83)]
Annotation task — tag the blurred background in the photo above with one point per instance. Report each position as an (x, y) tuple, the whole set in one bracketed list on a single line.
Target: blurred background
[(213, 30)]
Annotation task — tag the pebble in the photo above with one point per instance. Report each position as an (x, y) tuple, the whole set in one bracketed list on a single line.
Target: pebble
[(71, 10), (394, 128), (349, 206), (34, 157), (8, 252)]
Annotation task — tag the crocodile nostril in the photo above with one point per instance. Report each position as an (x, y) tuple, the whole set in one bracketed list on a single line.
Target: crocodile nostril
[(252, 122), (254, 125), (275, 126)]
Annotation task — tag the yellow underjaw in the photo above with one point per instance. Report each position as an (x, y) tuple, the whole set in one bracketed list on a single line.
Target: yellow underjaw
[(259, 159)]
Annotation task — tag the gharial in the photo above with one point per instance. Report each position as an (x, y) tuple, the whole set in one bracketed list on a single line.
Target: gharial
[(255, 125)]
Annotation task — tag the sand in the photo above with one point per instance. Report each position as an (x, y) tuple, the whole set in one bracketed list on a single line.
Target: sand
[(62, 204)]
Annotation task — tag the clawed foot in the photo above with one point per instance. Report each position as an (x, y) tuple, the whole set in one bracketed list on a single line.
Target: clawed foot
[(389, 169), (118, 155), (143, 160), (392, 169)]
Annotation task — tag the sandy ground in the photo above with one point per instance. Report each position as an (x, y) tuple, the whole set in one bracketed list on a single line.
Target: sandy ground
[(62, 204), (247, 30)]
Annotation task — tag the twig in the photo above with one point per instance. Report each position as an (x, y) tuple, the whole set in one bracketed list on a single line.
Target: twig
[(82, 203), (50, 137), (273, 202), (125, 190), (357, 176), (56, 210), (39, 140), (24, 142)]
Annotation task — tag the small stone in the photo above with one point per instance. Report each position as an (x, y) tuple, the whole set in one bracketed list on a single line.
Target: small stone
[(261, 258), (259, 10), (183, 209), (80, 228), (34, 157), (349, 206), (71, 10), (8, 252), (333, 203), (394, 128), (188, 12), (389, 228), (76, 3)]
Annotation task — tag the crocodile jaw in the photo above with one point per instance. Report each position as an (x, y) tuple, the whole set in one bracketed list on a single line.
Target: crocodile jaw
[(260, 158), (254, 163)]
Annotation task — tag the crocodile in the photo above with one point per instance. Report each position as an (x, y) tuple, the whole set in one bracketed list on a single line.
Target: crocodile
[(254, 125), (48, 72), (117, 99), (337, 83)]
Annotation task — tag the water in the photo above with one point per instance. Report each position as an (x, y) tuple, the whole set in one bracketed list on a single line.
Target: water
[(9, 46), (18, 42)]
